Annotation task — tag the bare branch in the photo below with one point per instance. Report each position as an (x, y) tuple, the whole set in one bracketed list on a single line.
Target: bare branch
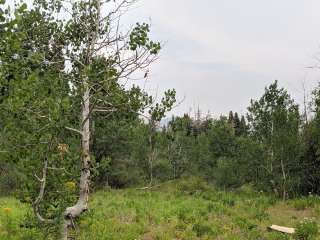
[(43, 182), (74, 130), (104, 110)]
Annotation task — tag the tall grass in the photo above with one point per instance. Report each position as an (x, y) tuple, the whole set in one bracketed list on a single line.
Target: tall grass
[(185, 209)]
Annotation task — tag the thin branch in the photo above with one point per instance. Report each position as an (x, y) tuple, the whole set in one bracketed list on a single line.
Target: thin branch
[(43, 182), (60, 169), (74, 130)]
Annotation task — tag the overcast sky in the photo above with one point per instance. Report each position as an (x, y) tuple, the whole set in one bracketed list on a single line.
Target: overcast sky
[(221, 53)]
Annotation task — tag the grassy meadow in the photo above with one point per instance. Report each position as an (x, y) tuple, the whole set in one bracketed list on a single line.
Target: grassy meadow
[(185, 209)]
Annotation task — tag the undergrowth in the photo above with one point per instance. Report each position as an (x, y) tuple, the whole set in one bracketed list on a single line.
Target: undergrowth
[(184, 209)]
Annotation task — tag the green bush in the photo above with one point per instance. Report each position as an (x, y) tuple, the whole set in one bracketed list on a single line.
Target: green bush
[(226, 174), (247, 190), (193, 185), (307, 229), (10, 180)]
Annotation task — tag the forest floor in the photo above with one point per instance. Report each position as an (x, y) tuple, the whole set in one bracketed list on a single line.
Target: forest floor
[(178, 210)]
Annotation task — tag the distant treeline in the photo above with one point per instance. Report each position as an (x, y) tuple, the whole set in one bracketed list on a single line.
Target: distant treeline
[(273, 147)]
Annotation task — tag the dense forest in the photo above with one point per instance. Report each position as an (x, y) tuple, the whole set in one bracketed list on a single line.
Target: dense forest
[(71, 119)]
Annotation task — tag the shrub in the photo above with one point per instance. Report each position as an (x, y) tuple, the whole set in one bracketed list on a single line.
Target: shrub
[(226, 174), (193, 185), (247, 190), (10, 180), (307, 229)]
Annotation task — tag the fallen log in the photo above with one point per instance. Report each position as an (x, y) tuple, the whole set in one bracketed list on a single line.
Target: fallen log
[(150, 187), (282, 229)]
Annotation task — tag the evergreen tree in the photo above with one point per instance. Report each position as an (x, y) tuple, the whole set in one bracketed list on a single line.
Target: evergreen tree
[(243, 127), (231, 118), (236, 124)]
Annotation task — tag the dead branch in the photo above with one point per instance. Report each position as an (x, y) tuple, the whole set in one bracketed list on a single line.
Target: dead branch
[(43, 182), (74, 130)]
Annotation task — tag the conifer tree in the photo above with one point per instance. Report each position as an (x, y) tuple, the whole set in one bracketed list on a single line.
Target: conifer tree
[(243, 126), (231, 118), (236, 124)]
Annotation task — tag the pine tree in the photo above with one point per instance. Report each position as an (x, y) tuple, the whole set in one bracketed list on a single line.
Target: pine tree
[(231, 119), (243, 126), (236, 125)]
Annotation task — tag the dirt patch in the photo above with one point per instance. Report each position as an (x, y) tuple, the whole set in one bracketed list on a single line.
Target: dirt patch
[(287, 215), (148, 236)]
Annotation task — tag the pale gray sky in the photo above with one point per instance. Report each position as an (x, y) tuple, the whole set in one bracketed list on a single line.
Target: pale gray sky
[(221, 53)]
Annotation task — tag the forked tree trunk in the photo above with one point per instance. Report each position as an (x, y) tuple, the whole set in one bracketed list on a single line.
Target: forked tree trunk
[(81, 206)]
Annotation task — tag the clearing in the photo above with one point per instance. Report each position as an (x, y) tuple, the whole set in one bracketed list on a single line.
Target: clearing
[(181, 209)]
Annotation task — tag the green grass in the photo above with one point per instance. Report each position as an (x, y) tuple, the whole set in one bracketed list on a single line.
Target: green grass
[(177, 210), (12, 221)]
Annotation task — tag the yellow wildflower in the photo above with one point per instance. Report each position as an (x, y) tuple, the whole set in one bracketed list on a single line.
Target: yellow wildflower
[(83, 222), (7, 211), (71, 186)]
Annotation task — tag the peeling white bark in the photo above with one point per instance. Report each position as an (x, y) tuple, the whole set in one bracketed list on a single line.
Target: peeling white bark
[(82, 204)]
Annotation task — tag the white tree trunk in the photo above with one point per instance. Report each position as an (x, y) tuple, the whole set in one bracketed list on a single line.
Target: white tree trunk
[(81, 206)]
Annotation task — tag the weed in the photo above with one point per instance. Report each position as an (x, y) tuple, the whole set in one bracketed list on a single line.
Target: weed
[(306, 229), (300, 204), (170, 213), (201, 229)]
